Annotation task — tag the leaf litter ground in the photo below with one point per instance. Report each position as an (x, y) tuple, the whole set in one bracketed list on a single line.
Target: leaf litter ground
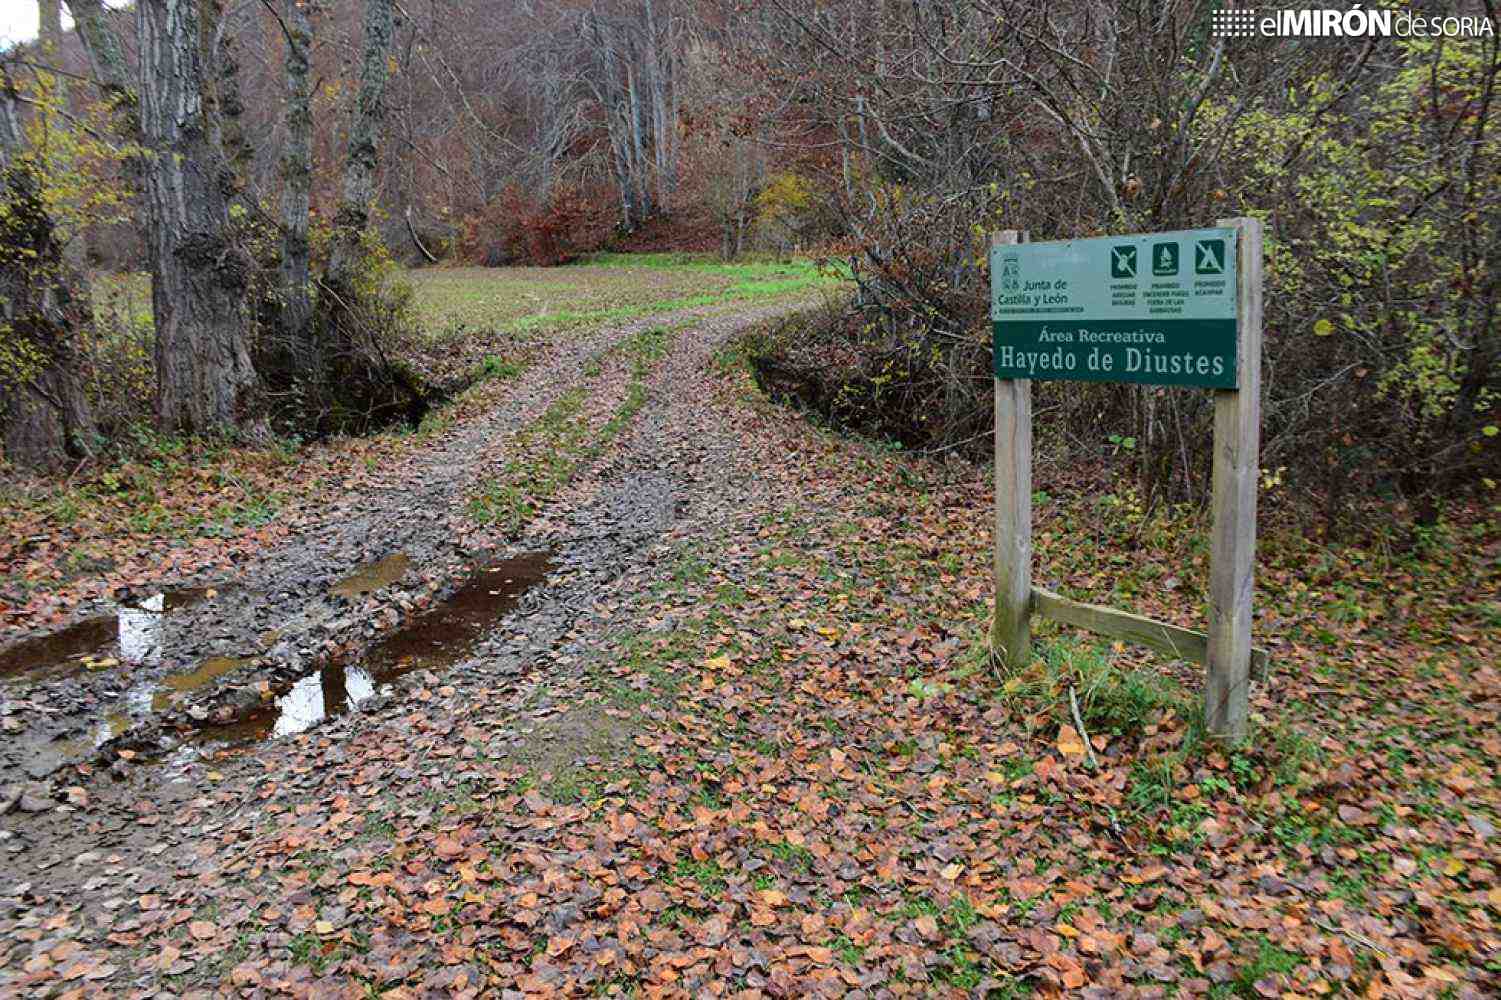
[(763, 755)]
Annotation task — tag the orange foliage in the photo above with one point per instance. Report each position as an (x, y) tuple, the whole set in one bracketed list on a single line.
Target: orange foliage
[(515, 228)]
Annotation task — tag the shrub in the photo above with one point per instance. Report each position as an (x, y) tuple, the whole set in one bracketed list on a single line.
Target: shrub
[(515, 228), (907, 357), (791, 211), (344, 375), (1382, 360)]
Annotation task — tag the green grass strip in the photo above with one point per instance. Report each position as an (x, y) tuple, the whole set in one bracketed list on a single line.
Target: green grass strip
[(560, 444)]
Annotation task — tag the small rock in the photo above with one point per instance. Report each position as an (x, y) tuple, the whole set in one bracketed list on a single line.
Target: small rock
[(34, 803), (43, 765)]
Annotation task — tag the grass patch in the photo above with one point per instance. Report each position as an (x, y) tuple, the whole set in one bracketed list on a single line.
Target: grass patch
[(554, 449), (1270, 960), (1113, 699), (648, 667), (462, 302), (496, 367), (709, 875)]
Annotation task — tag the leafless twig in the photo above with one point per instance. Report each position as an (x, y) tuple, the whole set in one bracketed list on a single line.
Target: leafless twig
[(1073, 704)]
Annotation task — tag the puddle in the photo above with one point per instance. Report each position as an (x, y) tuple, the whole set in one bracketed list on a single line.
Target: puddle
[(434, 640), (106, 729), (330, 692), (445, 634), (207, 670), (136, 626), (373, 577), (59, 648), (256, 724)]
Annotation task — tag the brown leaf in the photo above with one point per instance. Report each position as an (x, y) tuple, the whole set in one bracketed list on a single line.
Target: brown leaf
[(713, 931), (245, 974), (773, 897)]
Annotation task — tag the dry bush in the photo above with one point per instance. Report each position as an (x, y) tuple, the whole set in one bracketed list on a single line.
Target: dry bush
[(517, 229), (1372, 165)]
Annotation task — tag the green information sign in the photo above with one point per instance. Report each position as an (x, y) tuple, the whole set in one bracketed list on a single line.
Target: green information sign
[(1156, 308)]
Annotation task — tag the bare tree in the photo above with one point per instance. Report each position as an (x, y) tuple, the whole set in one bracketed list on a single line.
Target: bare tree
[(629, 52), (358, 194), (205, 379), (297, 181), (737, 169)]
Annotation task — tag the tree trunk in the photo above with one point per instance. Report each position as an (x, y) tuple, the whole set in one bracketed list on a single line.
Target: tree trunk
[(224, 81), (50, 26), (50, 35), (297, 184), (45, 413), (639, 162), (662, 128), (358, 193), (361, 386), (205, 379), (108, 60)]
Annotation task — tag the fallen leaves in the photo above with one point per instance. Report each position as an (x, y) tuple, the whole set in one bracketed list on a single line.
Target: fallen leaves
[(788, 811), (1069, 743)]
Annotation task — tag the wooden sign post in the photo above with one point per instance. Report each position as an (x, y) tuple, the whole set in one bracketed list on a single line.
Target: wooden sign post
[(1158, 308)]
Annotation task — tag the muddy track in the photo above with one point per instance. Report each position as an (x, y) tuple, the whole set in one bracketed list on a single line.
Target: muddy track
[(160, 827), (376, 559)]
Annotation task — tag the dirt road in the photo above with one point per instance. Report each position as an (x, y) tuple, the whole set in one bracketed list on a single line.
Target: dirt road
[(289, 642), (716, 720)]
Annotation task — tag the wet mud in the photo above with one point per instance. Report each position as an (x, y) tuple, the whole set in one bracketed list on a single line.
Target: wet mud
[(434, 640)]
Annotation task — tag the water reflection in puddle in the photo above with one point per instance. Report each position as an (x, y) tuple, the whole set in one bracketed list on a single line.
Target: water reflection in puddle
[(106, 729), (206, 671), (330, 692), (373, 577), (138, 628), (140, 631), (434, 640)]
